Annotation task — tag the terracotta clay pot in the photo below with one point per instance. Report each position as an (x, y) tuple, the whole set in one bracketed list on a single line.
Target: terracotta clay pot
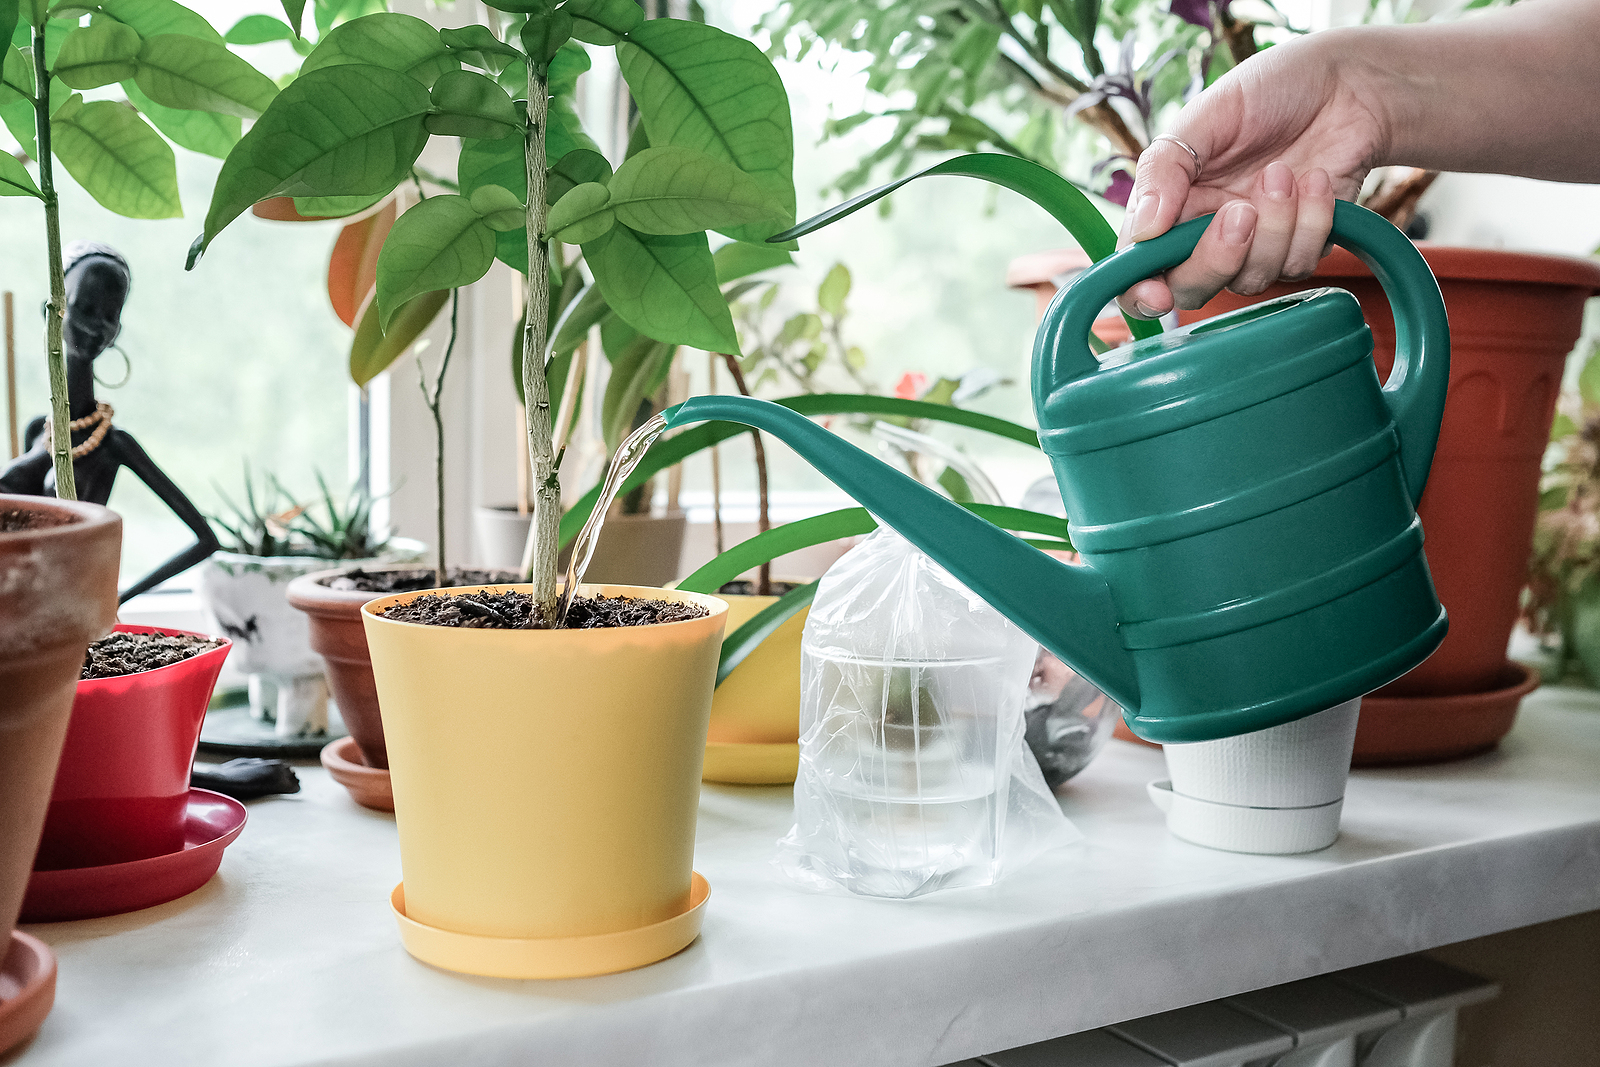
[(59, 583), (121, 792), (337, 636), (1514, 317)]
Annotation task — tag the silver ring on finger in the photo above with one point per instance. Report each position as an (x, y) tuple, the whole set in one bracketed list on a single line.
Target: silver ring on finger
[(1198, 166)]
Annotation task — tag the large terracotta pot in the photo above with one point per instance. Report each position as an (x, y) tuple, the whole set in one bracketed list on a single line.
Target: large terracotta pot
[(1514, 317), (58, 584)]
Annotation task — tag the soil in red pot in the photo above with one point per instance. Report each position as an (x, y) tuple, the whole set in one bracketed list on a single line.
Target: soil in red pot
[(120, 654)]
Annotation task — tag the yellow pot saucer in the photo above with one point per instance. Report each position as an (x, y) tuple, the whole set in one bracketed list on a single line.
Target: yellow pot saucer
[(751, 764), (552, 957)]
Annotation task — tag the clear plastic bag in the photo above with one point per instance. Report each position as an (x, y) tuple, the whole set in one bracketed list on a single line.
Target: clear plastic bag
[(914, 775)]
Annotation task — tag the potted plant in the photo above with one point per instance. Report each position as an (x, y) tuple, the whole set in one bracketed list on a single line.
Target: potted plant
[(180, 80), (614, 886), (124, 830), (268, 541)]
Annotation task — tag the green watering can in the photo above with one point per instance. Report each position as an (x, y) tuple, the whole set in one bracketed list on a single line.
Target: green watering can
[(1243, 492)]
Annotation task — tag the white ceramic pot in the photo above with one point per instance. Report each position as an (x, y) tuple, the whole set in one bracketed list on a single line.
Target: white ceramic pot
[(1272, 792), (245, 599)]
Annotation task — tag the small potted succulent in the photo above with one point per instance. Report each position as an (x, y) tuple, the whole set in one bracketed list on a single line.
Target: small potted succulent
[(268, 541)]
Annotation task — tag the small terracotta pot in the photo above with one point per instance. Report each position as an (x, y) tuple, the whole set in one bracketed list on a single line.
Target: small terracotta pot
[(122, 790), (337, 636), (60, 588)]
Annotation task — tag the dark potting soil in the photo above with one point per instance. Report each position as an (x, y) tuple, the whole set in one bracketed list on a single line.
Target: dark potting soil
[(411, 581), (744, 587), (515, 611), (13, 520), (122, 653)]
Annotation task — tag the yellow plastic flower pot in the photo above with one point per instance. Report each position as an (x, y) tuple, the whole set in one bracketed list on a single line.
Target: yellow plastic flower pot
[(754, 738), (546, 784)]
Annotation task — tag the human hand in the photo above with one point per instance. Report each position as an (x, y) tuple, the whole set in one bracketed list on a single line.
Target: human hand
[(1277, 139)]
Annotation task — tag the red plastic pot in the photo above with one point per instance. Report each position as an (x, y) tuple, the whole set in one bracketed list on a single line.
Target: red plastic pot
[(1514, 317), (123, 784)]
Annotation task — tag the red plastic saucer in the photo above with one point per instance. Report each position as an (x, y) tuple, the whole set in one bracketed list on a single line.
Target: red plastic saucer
[(27, 988), (211, 823)]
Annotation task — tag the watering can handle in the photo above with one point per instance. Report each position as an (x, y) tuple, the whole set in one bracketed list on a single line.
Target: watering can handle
[(1416, 387)]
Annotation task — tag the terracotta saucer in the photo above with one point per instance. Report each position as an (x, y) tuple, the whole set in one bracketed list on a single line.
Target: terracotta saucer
[(212, 822), (27, 988), (369, 786), (1430, 729)]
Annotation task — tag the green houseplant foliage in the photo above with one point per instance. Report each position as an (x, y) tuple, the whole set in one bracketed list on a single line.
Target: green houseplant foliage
[(716, 153), (183, 86)]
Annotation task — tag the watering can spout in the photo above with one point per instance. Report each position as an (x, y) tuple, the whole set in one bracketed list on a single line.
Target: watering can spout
[(1066, 608)]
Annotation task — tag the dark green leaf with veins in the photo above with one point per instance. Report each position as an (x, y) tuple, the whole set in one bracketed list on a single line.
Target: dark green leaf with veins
[(198, 131), (603, 22), (195, 75), (154, 17), (471, 105), (117, 158), (664, 287), (477, 46), (582, 215), (442, 243), (574, 169), (346, 130), (740, 259), (259, 29), (672, 190), (397, 42)]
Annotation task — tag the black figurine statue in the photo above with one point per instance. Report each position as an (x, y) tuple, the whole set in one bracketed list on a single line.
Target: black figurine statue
[(98, 280)]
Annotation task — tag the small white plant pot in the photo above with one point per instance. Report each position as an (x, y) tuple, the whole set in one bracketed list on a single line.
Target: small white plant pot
[(1273, 792)]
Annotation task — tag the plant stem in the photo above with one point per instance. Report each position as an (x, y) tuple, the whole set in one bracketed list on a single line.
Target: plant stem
[(432, 399), (55, 311), (535, 388), (763, 517)]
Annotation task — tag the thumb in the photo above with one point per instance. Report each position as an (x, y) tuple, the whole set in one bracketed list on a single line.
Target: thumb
[(1160, 189)]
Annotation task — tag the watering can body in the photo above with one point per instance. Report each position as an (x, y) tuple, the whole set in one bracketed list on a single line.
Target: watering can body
[(1242, 492)]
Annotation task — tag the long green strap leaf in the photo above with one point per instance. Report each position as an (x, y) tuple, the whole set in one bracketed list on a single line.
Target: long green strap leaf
[(672, 450), (1043, 186), (737, 646), (851, 522)]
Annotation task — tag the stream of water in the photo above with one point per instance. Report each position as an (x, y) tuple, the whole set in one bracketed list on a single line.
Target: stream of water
[(629, 453)]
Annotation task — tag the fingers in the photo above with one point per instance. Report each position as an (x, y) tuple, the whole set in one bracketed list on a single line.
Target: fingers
[(1277, 215), (1217, 259), (1160, 189), (1312, 227)]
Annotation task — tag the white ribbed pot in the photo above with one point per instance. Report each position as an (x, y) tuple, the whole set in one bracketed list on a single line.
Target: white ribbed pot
[(1272, 792)]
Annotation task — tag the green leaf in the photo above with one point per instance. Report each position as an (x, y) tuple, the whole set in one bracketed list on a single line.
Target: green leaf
[(373, 349), (15, 179), (565, 131), (589, 309), (1563, 426), (499, 207), (582, 215), (834, 289), (664, 287), (294, 11), (97, 55), (562, 77), (511, 248), (477, 46), (347, 130), (603, 22), (492, 161), (118, 159), (737, 646), (16, 76), (1589, 380), (672, 190), (396, 42), (154, 17), (439, 244), (198, 131), (576, 168), (636, 373), (18, 117), (259, 29), (195, 75), (10, 12), (700, 88), (740, 259), (335, 207), (1043, 186), (974, 48), (471, 105), (544, 34)]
